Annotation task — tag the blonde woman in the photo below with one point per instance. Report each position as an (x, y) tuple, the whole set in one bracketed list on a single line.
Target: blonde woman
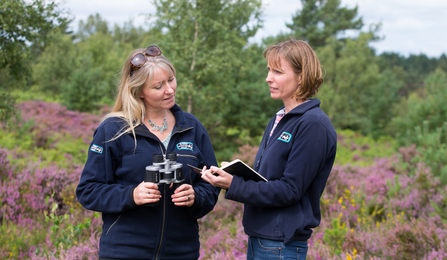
[(296, 156), (155, 219)]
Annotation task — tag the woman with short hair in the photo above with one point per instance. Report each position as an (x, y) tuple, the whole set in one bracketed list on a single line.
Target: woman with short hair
[(296, 155)]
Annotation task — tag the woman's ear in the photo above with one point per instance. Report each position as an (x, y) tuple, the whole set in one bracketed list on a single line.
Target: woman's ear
[(299, 78)]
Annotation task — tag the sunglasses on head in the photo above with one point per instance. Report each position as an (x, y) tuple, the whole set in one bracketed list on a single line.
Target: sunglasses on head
[(140, 59)]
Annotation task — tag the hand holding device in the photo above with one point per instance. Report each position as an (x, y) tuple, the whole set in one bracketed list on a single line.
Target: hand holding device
[(165, 170)]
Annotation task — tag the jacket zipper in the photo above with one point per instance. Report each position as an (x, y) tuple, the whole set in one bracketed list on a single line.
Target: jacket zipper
[(163, 222), (164, 193), (164, 213), (267, 143)]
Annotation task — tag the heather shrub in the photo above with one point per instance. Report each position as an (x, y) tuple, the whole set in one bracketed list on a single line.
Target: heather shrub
[(65, 154), (221, 232), (356, 149), (379, 211), (15, 239), (335, 235), (5, 167), (413, 238), (87, 249), (54, 118), (395, 238), (19, 139), (246, 153), (34, 199), (65, 235), (25, 194), (439, 204), (378, 190), (50, 134), (368, 205), (380, 202)]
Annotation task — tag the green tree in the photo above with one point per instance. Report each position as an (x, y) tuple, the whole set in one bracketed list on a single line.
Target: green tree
[(94, 24), (109, 49), (421, 119), (107, 57), (206, 38), (205, 41), (136, 37), (381, 102), (7, 109), (85, 86), (320, 19), (350, 85), (427, 105), (417, 68), (23, 24), (53, 68), (442, 63), (251, 106)]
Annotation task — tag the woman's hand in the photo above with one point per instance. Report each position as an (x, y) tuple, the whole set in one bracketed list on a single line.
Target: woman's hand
[(184, 196), (218, 177), (146, 192)]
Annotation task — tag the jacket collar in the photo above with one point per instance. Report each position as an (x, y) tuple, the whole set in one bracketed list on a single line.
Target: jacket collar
[(301, 109), (180, 123), (180, 119)]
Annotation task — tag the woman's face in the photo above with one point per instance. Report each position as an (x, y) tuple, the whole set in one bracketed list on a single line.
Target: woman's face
[(282, 81), (160, 93)]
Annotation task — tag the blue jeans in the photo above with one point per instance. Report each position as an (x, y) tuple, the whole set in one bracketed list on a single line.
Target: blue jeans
[(265, 249)]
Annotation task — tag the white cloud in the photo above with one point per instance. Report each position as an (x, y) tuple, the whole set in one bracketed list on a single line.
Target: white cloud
[(409, 26), (112, 11)]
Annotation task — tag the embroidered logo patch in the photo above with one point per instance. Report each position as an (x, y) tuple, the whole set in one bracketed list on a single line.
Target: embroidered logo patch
[(285, 137), (95, 148), (185, 146)]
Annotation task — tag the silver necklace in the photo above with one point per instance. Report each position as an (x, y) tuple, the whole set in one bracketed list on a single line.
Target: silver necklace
[(159, 128)]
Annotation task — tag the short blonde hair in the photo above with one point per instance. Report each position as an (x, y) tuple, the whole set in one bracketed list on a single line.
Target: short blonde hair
[(304, 62), (128, 104)]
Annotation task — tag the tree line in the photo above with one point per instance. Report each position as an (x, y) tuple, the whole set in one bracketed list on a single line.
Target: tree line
[(221, 75)]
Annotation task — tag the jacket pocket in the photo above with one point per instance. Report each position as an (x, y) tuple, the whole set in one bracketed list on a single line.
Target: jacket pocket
[(113, 224)]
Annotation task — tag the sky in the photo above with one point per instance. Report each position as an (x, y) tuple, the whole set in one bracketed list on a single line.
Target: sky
[(409, 27)]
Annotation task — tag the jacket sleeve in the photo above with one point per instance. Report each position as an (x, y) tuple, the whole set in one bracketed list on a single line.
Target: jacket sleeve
[(305, 161), (97, 189), (206, 195)]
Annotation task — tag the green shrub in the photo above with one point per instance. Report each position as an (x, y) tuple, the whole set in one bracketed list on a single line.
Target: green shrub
[(358, 149), (432, 147)]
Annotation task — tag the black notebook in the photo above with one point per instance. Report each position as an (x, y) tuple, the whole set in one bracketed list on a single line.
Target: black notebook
[(239, 168)]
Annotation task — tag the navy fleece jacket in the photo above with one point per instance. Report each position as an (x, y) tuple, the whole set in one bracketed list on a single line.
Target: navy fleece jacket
[(114, 168), (296, 162)]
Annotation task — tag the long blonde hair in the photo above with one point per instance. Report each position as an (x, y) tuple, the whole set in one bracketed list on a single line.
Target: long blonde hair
[(128, 104)]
